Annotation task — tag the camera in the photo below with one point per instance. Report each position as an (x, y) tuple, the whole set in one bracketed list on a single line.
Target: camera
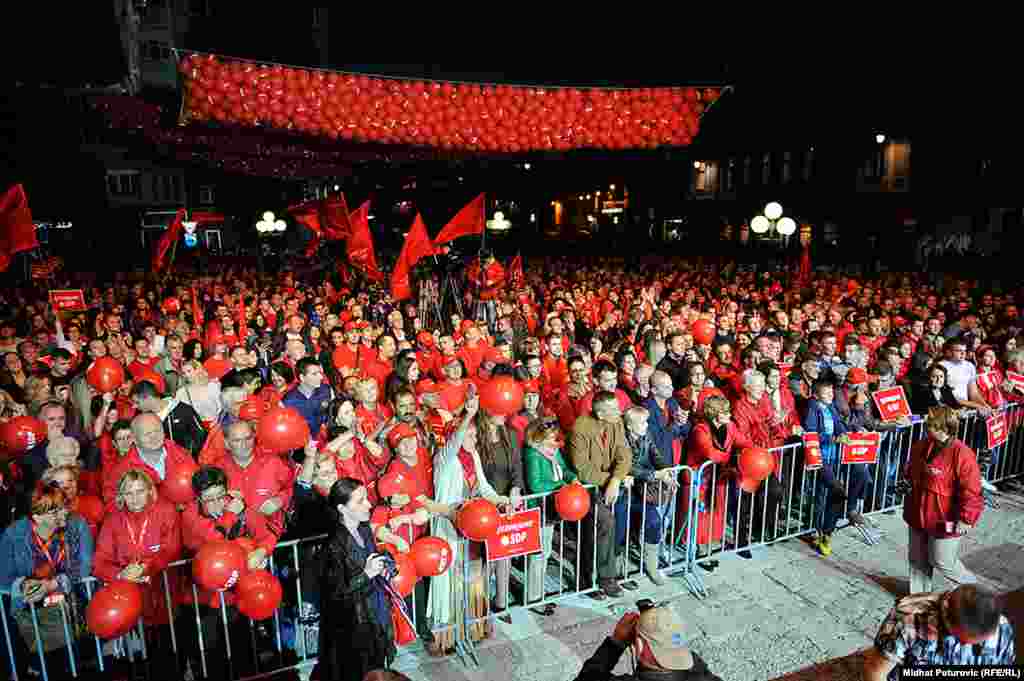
[(390, 570), (644, 604)]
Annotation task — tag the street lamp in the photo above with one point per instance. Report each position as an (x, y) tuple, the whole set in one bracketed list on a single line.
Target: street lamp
[(773, 220), (269, 225)]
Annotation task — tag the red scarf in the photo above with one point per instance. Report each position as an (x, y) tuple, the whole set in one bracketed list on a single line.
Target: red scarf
[(47, 567), (468, 469)]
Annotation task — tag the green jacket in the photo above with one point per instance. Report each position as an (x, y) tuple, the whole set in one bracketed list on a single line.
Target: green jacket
[(540, 476)]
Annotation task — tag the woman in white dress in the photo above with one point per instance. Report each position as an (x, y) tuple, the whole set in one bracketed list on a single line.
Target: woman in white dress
[(200, 392), (458, 477)]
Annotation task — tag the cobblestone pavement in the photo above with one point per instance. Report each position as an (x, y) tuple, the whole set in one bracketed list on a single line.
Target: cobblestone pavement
[(785, 615)]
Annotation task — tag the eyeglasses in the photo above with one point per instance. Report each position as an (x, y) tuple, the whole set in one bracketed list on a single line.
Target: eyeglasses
[(214, 500)]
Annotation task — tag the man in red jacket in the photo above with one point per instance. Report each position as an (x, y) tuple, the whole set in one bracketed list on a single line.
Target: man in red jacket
[(153, 452), (944, 502)]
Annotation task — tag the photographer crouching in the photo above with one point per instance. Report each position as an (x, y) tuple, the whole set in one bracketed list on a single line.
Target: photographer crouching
[(659, 647)]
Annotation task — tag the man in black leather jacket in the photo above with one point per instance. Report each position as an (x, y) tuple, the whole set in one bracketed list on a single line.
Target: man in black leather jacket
[(181, 422), (659, 643)]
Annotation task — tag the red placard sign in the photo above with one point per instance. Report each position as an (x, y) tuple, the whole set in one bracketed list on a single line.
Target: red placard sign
[(996, 426), (68, 300), (518, 534), (892, 403), (862, 448), (812, 451), (1016, 379)]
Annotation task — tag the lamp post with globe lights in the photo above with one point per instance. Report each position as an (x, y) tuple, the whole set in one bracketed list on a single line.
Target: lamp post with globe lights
[(772, 221), (269, 226)]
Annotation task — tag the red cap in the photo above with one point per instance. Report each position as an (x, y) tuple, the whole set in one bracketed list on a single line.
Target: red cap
[(399, 433), (425, 338)]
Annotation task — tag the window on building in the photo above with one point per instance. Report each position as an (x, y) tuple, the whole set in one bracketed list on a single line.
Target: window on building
[(809, 165), (176, 189), (198, 8), (317, 16), (766, 168), (706, 177), (154, 50), (747, 163), (123, 182), (787, 167), (206, 195), (729, 177)]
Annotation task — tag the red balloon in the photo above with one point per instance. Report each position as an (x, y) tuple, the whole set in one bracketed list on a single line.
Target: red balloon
[(252, 409), (172, 305), (703, 332), (259, 594), (501, 396), (406, 579), (756, 463), (282, 429), (432, 556), (572, 502), (748, 484), (114, 609), (105, 374), (90, 507), (177, 487), (218, 565), (246, 544), (22, 433), (478, 519)]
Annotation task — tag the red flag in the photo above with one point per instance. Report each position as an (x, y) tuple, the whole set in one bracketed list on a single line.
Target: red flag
[(469, 220), (334, 218), (515, 271), (417, 245), (169, 236), (360, 244), (313, 244), (17, 231)]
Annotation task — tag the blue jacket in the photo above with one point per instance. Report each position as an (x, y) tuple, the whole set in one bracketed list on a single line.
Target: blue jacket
[(661, 434), (813, 423), (313, 408), (16, 561)]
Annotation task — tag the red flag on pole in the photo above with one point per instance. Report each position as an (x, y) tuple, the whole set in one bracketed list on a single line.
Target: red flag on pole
[(17, 231), (334, 218), (469, 220), (168, 238), (417, 245), (360, 244), (515, 271)]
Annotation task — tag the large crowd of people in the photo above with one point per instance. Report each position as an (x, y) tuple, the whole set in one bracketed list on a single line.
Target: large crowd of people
[(618, 393)]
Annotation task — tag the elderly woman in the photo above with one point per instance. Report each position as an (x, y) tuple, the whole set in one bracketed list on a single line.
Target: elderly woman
[(200, 392), (43, 558), (715, 438), (944, 502), (546, 471), (138, 541)]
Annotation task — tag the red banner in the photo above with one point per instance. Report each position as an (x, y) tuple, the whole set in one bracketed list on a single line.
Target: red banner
[(518, 534), (812, 451), (892, 404), (68, 300), (862, 448), (997, 431)]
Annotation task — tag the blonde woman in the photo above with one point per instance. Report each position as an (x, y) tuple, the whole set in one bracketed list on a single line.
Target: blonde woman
[(200, 392)]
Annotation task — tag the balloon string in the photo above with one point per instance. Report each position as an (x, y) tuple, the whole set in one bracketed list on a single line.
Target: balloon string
[(179, 53)]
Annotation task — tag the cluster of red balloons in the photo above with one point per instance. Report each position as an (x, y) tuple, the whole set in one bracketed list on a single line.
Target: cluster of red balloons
[(440, 114), (222, 565)]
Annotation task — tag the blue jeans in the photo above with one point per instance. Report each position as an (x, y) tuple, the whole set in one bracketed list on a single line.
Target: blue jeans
[(648, 514)]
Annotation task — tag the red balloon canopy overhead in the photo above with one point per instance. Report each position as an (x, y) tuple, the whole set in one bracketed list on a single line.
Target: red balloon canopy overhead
[(473, 117)]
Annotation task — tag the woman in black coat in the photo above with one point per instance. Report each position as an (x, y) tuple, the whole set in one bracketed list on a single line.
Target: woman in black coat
[(356, 634), (935, 393)]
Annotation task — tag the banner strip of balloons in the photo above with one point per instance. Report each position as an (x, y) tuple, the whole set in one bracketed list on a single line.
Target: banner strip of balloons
[(440, 114)]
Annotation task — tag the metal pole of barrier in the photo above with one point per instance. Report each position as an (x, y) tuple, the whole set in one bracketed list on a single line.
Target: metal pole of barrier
[(39, 640), (199, 630), (712, 492), (594, 574), (142, 640), (789, 494), (67, 640), (7, 639), (170, 613), (99, 647), (277, 616), (300, 630), (629, 514), (227, 632)]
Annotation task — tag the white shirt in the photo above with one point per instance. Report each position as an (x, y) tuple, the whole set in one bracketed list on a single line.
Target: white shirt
[(204, 399), (161, 465), (959, 375)]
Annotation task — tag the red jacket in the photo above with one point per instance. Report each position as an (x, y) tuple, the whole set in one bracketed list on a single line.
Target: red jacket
[(266, 476), (944, 489), (755, 421), (702, 446), (153, 538), (176, 457)]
